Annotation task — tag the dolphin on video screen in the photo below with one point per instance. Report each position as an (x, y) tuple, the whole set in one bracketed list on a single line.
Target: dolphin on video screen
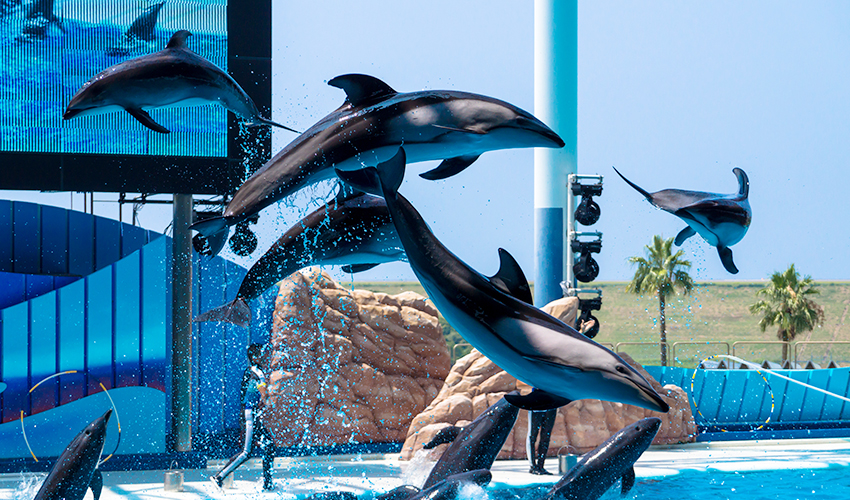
[(531, 345), (599, 469), (75, 471), (354, 231), (38, 18), (456, 127), (141, 31), (721, 219), (174, 76), (474, 446)]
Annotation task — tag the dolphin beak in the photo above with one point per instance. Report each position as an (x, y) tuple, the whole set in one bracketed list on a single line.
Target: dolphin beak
[(70, 113), (653, 400), (532, 124)]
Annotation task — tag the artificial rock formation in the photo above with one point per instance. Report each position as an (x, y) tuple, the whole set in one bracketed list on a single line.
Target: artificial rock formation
[(350, 366), (475, 383)]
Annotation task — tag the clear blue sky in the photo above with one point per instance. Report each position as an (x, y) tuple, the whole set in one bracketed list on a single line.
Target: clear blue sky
[(674, 94)]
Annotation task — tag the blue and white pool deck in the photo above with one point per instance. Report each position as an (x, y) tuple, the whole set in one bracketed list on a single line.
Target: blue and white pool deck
[(300, 477)]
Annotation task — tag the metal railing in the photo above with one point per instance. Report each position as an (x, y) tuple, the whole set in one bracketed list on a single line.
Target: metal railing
[(707, 343), (805, 343)]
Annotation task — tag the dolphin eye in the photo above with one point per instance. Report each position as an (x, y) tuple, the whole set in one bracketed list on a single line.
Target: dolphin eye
[(637, 428), (621, 369), (88, 432)]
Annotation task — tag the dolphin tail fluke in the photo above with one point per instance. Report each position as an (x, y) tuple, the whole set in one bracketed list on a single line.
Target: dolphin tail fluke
[(683, 235), (639, 189), (726, 259), (96, 484), (235, 312), (265, 121), (215, 230), (536, 400), (391, 172)]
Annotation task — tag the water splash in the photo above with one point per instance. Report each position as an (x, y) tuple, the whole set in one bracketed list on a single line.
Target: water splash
[(29, 485), (418, 468)]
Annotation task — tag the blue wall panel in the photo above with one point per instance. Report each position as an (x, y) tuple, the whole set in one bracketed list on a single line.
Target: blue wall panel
[(155, 314), (80, 244), (211, 362), (43, 358), (54, 240), (107, 242), (6, 260), (15, 352), (72, 340), (127, 321), (99, 345), (38, 285), (132, 239), (27, 244), (13, 289), (813, 401)]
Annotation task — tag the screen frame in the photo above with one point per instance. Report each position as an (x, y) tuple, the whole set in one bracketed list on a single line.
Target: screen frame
[(249, 53)]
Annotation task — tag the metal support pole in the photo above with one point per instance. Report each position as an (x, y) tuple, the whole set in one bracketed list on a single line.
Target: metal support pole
[(181, 325), (556, 104)]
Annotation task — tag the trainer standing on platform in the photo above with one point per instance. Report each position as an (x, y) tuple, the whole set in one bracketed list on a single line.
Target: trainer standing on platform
[(253, 389), (540, 423)]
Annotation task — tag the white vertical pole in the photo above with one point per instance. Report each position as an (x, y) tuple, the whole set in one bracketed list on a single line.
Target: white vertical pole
[(556, 104)]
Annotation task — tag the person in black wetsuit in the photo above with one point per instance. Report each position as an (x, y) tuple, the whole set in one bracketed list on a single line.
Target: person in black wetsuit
[(253, 388), (540, 423)]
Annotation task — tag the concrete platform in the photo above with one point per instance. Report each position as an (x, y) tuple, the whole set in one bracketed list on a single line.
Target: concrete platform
[(299, 477)]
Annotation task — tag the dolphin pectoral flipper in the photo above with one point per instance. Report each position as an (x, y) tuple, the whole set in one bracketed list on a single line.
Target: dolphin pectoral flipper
[(215, 230), (265, 121), (236, 312), (358, 268), (446, 435), (146, 120), (684, 234), (726, 259), (96, 483), (362, 89), (536, 400), (510, 278), (449, 167), (628, 481)]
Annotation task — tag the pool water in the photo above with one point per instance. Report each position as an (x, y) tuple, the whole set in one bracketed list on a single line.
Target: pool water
[(801, 484)]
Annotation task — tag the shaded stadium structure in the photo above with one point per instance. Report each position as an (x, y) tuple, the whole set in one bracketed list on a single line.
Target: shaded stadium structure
[(85, 307)]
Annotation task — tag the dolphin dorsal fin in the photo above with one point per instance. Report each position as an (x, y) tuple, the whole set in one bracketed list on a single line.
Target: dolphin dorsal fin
[(510, 278), (743, 184), (361, 90), (178, 40)]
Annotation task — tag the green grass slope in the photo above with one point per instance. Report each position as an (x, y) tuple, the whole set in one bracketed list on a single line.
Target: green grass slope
[(714, 312)]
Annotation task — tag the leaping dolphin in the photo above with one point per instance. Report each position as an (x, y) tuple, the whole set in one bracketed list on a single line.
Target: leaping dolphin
[(531, 345), (456, 127), (354, 231), (174, 76), (474, 446), (599, 469), (75, 471), (142, 30), (722, 220)]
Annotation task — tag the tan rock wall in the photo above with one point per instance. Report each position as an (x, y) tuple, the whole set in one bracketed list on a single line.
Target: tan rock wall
[(350, 366), (475, 383)]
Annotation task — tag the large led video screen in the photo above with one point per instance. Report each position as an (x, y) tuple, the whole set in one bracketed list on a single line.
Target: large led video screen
[(50, 48)]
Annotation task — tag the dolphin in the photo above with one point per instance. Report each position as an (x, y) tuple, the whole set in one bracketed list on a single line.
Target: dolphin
[(374, 120), (448, 488), (39, 17), (721, 219), (614, 459), (531, 345), (474, 446), (142, 30), (75, 471), (354, 230), (404, 492), (174, 76)]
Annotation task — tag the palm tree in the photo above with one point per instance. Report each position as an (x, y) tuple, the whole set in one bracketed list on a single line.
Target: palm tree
[(787, 304), (662, 273)]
